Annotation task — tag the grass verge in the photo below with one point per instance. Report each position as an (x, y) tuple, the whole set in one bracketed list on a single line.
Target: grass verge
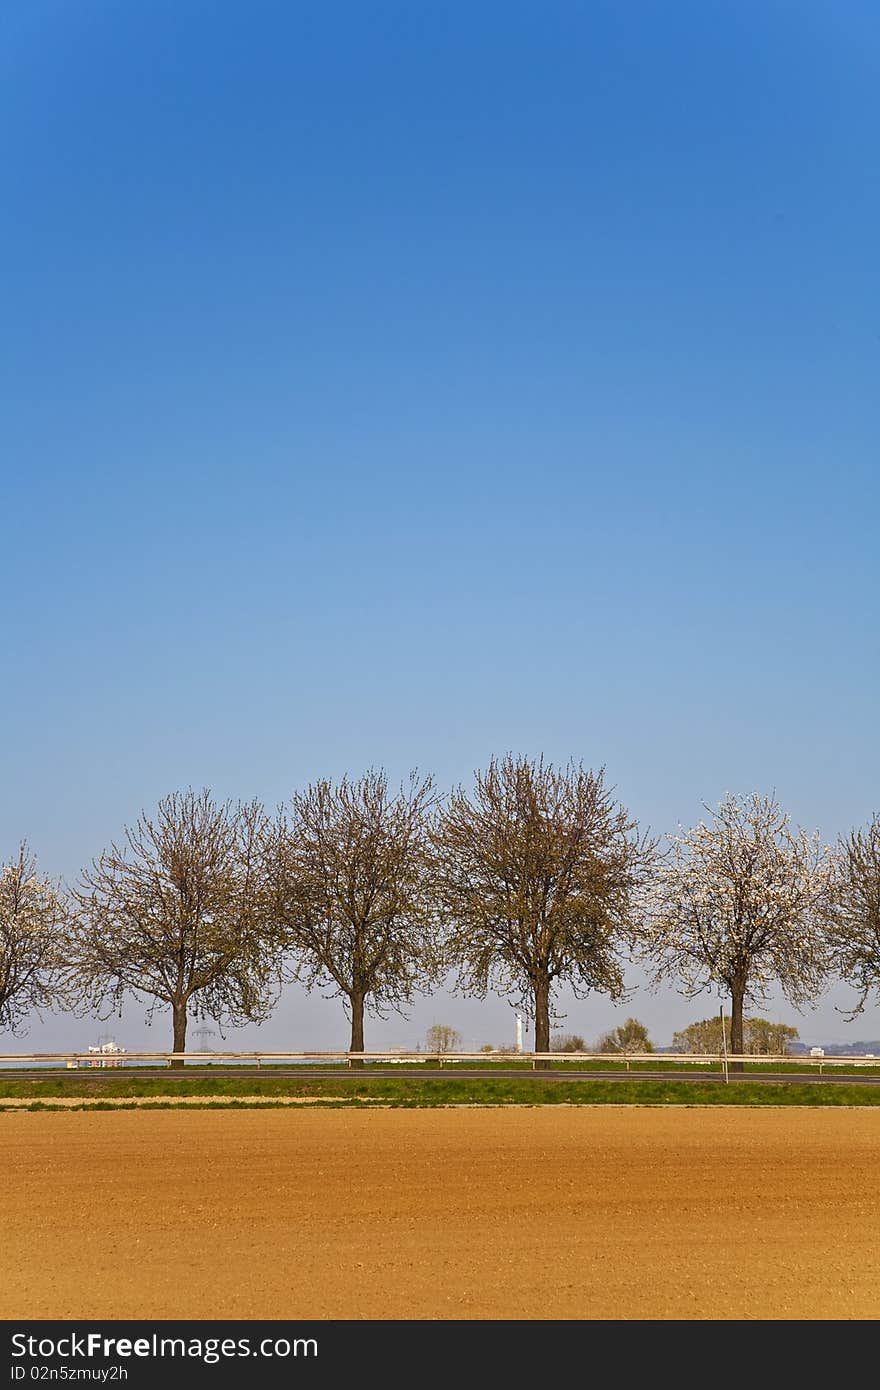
[(411, 1092)]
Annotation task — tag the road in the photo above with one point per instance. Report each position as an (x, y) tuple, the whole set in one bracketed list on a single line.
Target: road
[(827, 1077)]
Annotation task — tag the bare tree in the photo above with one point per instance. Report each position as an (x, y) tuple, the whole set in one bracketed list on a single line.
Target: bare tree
[(34, 927), (177, 914), (853, 915), (736, 906), (348, 866), (441, 1038), (536, 876)]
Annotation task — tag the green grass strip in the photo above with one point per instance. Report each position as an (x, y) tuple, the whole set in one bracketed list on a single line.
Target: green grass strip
[(405, 1092)]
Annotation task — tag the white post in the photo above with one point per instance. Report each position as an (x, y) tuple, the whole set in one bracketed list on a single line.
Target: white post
[(519, 1041)]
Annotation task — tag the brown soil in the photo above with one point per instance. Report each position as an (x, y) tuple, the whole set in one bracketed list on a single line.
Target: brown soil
[(611, 1213)]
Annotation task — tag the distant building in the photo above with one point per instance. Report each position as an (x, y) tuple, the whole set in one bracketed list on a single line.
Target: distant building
[(105, 1054)]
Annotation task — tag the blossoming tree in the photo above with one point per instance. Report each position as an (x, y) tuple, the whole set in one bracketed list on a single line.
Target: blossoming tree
[(34, 921), (736, 905)]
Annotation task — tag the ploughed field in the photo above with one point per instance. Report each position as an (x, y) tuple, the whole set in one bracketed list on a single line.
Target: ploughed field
[(526, 1213)]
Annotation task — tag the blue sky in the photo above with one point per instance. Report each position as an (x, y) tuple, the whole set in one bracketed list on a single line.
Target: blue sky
[(399, 385)]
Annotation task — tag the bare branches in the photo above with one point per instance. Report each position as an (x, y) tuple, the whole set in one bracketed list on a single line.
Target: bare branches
[(34, 942), (177, 913), (853, 916), (536, 876), (350, 892), (440, 1037)]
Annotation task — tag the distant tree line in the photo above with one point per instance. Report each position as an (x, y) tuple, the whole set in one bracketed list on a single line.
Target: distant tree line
[(708, 1036), (760, 1037), (532, 878), (629, 1037)]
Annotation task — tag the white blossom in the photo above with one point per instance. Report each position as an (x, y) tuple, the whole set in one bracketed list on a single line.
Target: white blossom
[(736, 905)]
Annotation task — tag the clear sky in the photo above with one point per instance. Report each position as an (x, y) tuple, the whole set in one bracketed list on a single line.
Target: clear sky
[(394, 384)]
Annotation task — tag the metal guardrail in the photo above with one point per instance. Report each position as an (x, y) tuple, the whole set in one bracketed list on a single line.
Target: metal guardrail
[(123, 1059)]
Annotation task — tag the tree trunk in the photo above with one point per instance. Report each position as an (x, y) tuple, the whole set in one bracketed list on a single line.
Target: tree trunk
[(737, 995), (357, 1026), (178, 1012), (542, 1019)]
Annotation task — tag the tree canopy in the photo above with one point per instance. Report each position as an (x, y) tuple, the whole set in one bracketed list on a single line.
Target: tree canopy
[(630, 1036), (536, 874), (568, 1042), (177, 913), (440, 1037), (853, 912), (348, 866), (34, 942), (737, 907), (761, 1037)]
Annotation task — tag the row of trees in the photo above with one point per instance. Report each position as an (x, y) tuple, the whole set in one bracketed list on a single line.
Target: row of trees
[(535, 877), (761, 1037), (630, 1037)]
